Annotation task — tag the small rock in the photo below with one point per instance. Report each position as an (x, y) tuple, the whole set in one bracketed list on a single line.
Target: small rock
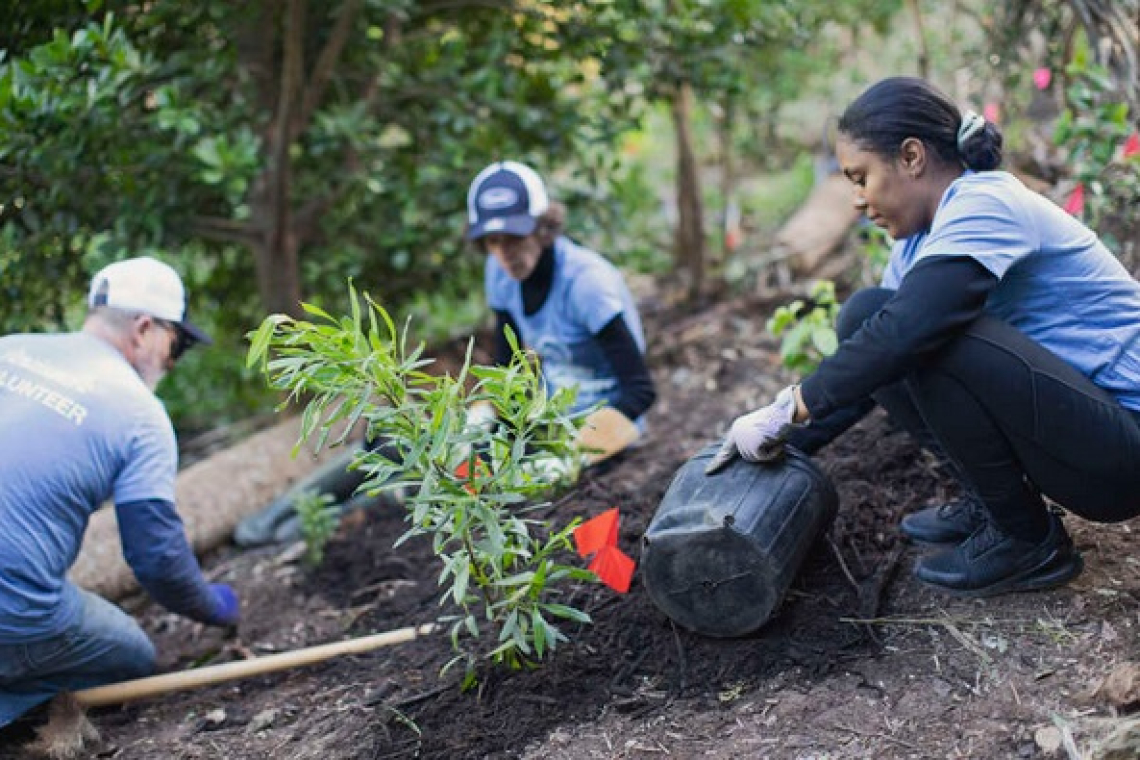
[(211, 721), (263, 720), (1121, 687), (1048, 739)]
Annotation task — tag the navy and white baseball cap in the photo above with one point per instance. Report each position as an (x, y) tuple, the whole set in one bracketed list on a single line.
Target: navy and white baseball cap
[(147, 286), (507, 197)]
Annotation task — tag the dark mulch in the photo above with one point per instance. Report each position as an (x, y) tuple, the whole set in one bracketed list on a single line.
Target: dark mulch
[(823, 678)]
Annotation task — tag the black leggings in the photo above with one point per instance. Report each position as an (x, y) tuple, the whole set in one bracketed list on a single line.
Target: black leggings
[(1015, 420)]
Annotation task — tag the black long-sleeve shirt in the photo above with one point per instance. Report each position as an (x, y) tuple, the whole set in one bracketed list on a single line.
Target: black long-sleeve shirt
[(936, 300)]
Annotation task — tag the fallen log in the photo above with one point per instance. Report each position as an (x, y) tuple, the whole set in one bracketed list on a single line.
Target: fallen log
[(212, 496), (820, 226)]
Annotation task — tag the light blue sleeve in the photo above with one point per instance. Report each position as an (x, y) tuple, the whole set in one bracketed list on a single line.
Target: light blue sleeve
[(492, 288), (896, 265), (596, 298), (985, 225), (152, 461)]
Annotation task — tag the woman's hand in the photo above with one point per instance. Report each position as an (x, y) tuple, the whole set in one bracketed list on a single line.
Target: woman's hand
[(758, 436)]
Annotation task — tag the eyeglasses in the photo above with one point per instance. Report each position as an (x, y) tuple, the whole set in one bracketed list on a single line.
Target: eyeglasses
[(179, 341)]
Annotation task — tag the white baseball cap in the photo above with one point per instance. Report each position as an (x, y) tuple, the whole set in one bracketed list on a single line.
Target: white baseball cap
[(147, 286)]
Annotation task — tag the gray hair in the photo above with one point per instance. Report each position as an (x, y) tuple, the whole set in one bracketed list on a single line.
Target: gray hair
[(120, 321)]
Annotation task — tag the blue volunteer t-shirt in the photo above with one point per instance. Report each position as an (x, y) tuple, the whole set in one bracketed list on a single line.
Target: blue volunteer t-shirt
[(77, 427), (1058, 284), (586, 293)]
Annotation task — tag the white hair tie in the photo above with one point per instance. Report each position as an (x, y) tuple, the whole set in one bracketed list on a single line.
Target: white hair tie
[(972, 123)]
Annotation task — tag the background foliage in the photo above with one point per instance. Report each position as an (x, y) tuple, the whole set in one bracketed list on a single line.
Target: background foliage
[(272, 149)]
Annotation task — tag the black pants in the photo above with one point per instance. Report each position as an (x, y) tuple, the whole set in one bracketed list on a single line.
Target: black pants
[(1013, 418)]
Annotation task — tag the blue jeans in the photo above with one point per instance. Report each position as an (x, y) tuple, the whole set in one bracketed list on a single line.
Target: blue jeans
[(104, 646)]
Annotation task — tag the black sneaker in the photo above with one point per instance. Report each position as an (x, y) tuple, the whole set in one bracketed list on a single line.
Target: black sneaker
[(949, 523), (990, 562)]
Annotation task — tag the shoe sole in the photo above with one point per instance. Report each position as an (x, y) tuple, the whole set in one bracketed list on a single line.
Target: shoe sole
[(1053, 572)]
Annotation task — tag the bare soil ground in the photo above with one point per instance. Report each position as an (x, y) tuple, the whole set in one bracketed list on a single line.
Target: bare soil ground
[(860, 661)]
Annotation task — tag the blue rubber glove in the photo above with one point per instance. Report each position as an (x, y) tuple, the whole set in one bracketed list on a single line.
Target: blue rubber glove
[(227, 608)]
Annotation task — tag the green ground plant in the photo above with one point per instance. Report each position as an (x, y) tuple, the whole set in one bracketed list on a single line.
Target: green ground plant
[(501, 567), (807, 328), (319, 520)]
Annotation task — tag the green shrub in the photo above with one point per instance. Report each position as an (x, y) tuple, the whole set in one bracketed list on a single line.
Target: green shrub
[(1093, 128), (501, 568), (807, 336), (875, 250)]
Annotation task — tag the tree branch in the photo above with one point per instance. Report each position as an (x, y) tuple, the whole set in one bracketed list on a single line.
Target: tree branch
[(224, 230), (305, 219), (326, 62)]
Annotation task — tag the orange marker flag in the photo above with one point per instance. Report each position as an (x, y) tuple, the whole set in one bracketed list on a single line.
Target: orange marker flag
[(613, 567), (463, 472), (598, 536), (597, 532)]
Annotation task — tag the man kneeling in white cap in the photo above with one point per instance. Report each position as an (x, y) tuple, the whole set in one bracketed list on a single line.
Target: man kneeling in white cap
[(79, 423)]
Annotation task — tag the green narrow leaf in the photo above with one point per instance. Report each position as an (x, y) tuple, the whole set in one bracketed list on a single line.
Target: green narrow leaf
[(259, 343), (825, 340)]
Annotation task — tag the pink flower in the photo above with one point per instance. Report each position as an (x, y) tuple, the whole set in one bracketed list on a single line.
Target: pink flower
[(1075, 204), (1042, 77), (992, 112), (1132, 145)]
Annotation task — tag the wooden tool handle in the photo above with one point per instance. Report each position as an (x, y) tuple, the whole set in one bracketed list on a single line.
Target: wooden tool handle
[(142, 688)]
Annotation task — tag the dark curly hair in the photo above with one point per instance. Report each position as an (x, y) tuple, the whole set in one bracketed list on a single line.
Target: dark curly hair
[(897, 108)]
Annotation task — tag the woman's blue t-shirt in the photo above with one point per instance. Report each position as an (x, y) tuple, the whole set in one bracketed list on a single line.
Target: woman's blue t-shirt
[(1058, 283), (586, 293)]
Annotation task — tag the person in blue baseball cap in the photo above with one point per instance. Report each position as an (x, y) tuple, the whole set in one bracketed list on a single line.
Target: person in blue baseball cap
[(80, 424), (565, 302)]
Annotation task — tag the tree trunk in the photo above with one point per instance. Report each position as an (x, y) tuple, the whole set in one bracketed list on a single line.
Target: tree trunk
[(689, 242), (920, 35), (273, 51), (278, 266), (730, 216), (270, 50)]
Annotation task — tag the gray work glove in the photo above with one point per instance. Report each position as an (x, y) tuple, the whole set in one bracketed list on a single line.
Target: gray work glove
[(758, 436)]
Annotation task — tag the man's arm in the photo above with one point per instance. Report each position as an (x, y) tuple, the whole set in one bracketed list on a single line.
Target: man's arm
[(155, 547)]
